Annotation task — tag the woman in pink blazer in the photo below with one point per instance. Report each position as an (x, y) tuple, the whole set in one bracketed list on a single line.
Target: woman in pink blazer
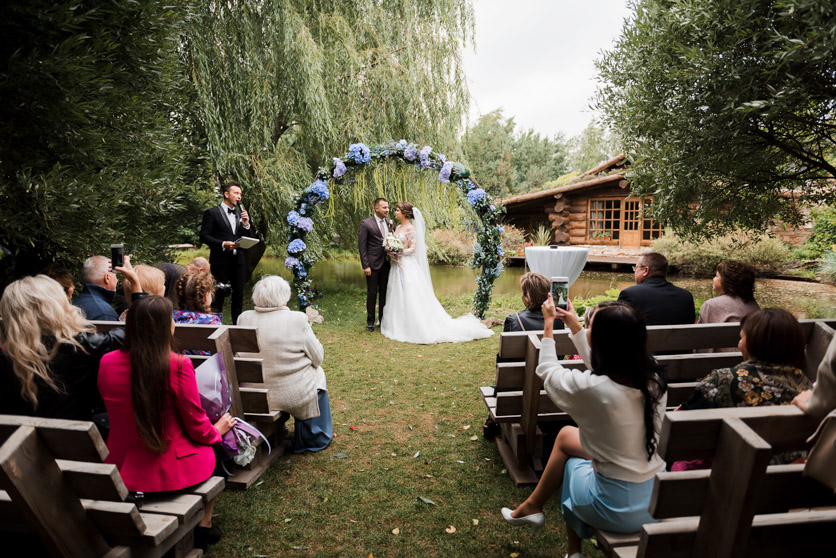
[(160, 437)]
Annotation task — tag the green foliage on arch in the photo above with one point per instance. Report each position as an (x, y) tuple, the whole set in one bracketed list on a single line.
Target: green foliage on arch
[(487, 253)]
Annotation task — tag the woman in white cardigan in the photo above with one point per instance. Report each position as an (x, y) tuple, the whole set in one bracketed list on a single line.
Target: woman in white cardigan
[(603, 469), (291, 364)]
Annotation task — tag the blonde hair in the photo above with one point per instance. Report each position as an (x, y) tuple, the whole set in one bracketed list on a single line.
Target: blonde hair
[(34, 308), (151, 279), (191, 289)]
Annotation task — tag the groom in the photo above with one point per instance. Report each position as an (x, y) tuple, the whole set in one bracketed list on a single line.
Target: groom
[(373, 258)]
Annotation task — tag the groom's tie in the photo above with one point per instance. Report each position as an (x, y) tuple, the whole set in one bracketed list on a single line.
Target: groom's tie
[(382, 229)]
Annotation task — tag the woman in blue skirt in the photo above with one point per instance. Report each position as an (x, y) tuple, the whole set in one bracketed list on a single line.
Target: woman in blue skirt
[(603, 470)]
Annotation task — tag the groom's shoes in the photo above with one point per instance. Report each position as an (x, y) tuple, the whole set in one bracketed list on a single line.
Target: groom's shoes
[(370, 327)]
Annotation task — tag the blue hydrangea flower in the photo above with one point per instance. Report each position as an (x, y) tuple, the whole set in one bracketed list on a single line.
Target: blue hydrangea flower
[(425, 156), (320, 188), (442, 157), (493, 207), (339, 167), (291, 262), (470, 185), (444, 174), (499, 251), (302, 273), (501, 230), (401, 145), (410, 153), (296, 246), (359, 153), (305, 223), (303, 209), (293, 218), (474, 196)]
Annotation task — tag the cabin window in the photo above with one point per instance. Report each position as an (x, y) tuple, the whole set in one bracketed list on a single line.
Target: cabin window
[(604, 219), (651, 228)]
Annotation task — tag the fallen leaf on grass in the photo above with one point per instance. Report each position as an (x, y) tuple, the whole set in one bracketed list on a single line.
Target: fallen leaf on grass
[(503, 471), (396, 531), (341, 456), (515, 554), (475, 522), (465, 427), (420, 356), (474, 438), (426, 500), (288, 519), (409, 426), (394, 454), (460, 461), (417, 453), (450, 529), (352, 428)]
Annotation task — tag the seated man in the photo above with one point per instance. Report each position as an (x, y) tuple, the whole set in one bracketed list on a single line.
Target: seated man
[(99, 289), (173, 272), (658, 301)]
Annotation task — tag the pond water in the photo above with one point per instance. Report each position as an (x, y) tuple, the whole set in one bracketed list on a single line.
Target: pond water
[(801, 298)]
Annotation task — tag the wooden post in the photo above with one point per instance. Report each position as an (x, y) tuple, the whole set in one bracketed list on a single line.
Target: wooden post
[(732, 497), (29, 474), (224, 346), (531, 394)]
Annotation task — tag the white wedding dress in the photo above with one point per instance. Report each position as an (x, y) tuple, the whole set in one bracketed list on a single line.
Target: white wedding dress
[(412, 314)]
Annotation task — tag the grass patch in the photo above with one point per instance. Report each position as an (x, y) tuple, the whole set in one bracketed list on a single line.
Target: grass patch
[(402, 399)]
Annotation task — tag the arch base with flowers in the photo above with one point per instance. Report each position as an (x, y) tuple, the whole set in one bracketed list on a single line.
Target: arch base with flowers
[(487, 252)]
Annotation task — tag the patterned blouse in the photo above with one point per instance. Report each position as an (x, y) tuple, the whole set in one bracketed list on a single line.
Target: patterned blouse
[(749, 384), (191, 317)]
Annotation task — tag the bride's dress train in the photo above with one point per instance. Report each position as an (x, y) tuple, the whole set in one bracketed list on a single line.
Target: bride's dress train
[(412, 313)]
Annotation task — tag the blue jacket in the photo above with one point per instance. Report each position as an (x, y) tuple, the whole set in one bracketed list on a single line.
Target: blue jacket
[(95, 303)]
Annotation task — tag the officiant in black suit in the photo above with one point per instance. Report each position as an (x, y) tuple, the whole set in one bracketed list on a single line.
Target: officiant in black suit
[(222, 226), (373, 258)]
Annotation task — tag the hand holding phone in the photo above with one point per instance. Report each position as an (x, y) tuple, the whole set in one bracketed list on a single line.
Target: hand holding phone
[(560, 292)]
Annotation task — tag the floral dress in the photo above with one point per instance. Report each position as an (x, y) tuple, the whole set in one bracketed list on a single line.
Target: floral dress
[(191, 317)]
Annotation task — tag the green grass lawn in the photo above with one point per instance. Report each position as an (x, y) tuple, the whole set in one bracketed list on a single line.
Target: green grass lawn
[(408, 424)]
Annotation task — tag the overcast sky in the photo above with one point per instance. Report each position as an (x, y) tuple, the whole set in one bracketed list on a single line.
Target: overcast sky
[(535, 59)]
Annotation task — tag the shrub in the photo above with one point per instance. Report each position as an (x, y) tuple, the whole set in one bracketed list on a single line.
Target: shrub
[(827, 268), (447, 246), (823, 237), (512, 239), (763, 252)]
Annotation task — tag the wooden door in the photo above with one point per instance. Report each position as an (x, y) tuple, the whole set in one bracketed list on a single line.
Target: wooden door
[(631, 230)]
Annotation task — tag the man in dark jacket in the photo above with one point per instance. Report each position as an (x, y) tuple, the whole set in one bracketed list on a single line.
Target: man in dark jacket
[(657, 300), (99, 289), (373, 258), (222, 226)]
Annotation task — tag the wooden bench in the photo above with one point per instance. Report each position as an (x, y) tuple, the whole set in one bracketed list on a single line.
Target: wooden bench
[(249, 403), (54, 484), (520, 406), (742, 506)]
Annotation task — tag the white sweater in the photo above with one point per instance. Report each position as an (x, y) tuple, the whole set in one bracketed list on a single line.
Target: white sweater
[(610, 416), (292, 360)]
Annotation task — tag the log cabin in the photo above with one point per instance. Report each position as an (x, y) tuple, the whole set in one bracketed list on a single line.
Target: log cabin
[(599, 208)]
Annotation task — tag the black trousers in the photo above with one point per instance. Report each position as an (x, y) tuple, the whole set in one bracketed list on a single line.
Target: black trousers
[(234, 275), (376, 283)]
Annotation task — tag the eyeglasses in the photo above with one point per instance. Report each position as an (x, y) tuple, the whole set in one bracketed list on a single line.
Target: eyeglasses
[(637, 267)]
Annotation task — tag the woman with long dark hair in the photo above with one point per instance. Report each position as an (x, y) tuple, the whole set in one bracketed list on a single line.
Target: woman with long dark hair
[(160, 437), (604, 468)]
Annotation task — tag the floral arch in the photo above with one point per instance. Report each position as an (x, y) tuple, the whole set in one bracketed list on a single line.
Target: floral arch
[(487, 252)]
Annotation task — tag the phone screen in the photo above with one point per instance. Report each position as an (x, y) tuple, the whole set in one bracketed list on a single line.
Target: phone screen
[(117, 255), (560, 292)]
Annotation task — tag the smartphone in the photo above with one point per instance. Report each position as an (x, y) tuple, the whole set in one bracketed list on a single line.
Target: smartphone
[(560, 292), (117, 255)]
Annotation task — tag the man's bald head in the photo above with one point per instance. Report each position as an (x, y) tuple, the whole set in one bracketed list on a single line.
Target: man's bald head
[(198, 265)]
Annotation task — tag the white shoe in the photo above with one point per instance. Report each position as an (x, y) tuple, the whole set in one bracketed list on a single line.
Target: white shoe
[(536, 520), (575, 555)]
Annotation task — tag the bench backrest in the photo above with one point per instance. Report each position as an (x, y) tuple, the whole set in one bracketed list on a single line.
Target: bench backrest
[(717, 508)]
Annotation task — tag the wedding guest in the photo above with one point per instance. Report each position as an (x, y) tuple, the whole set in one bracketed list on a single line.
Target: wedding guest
[(50, 353), (535, 289), (99, 290), (615, 494), (772, 344), (160, 437), (63, 276), (173, 272), (152, 282), (822, 398), (292, 364), (193, 294), (658, 301), (734, 283)]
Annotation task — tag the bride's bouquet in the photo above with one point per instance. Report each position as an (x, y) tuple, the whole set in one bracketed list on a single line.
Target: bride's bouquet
[(393, 246)]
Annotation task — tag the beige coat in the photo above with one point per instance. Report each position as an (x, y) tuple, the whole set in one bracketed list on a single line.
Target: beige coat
[(292, 358)]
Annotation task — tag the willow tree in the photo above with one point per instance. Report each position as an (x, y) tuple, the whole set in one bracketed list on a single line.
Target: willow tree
[(284, 84)]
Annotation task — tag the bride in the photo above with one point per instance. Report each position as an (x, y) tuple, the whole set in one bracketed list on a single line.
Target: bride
[(412, 314)]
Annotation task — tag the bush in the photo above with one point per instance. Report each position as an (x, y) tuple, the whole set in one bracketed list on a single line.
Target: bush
[(446, 246), (823, 237), (513, 239), (827, 268), (763, 252)]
